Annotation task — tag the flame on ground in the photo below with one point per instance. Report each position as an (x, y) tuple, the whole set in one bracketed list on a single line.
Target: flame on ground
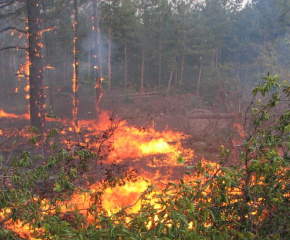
[(4, 114), (127, 143)]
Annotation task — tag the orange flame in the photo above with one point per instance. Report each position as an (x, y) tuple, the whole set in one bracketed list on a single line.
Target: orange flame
[(240, 129), (129, 142)]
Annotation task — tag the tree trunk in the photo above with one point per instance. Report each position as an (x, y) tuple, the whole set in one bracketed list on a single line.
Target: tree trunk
[(160, 56), (48, 52), (171, 74), (175, 79), (36, 82), (67, 73), (109, 58), (200, 67), (125, 65), (142, 72), (199, 76), (14, 61), (182, 69), (76, 69), (97, 56), (216, 60), (89, 60), (3, 66), (65, 64)]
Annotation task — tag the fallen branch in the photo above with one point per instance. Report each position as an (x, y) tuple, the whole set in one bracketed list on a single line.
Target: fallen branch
[(213, 115)]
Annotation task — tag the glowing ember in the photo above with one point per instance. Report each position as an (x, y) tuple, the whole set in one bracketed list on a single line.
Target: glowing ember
[(26, 88), (240, 129)]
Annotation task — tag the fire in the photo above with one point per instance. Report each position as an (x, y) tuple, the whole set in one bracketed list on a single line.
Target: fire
[(26, 88), (46, 30), (4, 114), (49, 67), (238, 139), (127, 196), (130, 142), (7, 115), (133, 142), (240, 129), (141, 146)]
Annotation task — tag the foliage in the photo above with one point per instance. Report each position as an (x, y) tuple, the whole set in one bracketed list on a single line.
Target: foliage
[(199, 42), (248, 200)]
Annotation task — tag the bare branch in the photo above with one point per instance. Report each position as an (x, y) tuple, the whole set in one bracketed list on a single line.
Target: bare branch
[(13, 28), (15, 47), (6, 4), (16, 12)]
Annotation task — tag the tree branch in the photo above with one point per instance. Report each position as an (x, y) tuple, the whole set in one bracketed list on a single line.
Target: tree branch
[(13, 28), (15, 47)]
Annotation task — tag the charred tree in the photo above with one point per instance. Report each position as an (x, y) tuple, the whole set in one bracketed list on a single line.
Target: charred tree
[(97, 56), (36, 81)]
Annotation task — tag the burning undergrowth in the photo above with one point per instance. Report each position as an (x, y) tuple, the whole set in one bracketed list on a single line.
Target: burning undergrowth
[(114, 162), (88, 190)]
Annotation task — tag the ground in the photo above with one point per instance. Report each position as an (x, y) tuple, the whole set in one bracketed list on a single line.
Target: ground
[(157, 109)]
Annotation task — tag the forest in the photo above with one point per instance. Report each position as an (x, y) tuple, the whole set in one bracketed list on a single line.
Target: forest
[(214, 49), (152, 119)]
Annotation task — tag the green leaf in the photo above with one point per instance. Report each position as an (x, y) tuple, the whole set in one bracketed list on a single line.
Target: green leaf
[(189, 167), (180, 159)]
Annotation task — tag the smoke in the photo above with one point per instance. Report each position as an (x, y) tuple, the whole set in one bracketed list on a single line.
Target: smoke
[(245, 2)]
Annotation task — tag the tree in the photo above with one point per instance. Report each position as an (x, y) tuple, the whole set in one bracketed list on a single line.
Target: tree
[(97, 55), (36, 82), (76, 68), (35, 75)]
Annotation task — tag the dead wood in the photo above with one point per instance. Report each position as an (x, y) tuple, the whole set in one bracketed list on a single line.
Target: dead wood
[(204, 114)]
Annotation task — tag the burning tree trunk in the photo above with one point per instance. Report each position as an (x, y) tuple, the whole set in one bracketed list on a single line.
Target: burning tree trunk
[(97, 56), (76, 68), (37, 95), (48, 60)]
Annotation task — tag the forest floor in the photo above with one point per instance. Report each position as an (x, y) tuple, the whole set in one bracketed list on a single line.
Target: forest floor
[(158, 110)]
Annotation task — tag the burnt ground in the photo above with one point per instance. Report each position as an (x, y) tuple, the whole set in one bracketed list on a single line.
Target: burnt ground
[(141, 110)]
